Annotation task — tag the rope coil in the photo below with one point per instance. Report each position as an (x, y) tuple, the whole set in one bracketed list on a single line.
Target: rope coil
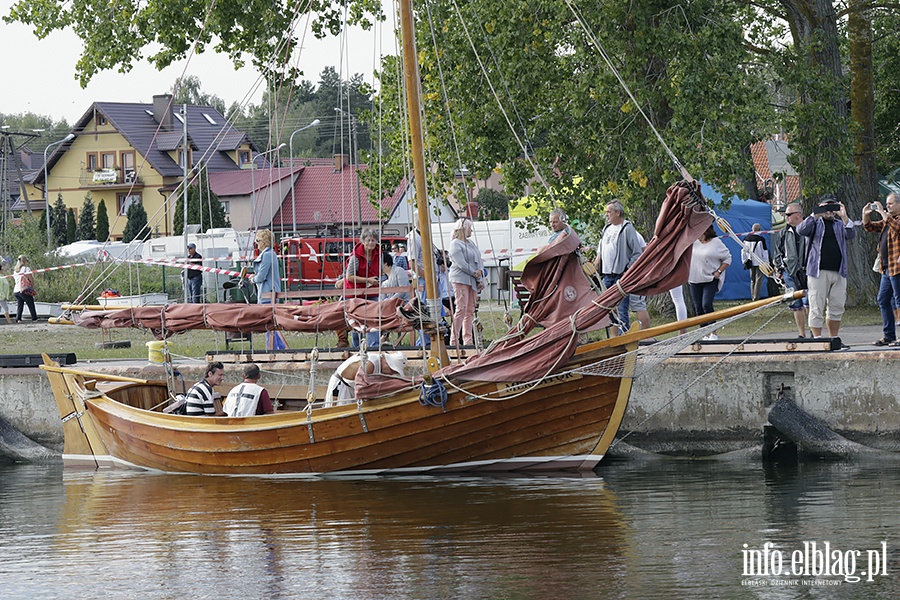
[(433, 395)]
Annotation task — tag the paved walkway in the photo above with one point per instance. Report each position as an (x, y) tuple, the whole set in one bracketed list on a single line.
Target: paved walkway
[(859, 337)]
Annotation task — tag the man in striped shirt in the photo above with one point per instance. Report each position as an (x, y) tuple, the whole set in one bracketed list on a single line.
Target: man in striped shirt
[(202, 399)]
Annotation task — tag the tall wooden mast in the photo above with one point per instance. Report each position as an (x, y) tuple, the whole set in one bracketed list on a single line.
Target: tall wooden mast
[(413, 93)]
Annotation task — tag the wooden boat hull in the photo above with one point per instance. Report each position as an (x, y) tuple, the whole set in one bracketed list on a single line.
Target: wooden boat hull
[(566, 423)]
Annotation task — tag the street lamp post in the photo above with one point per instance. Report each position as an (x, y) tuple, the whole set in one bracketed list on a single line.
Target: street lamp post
[(354, 152), (293, 195), (68, 138), (252, 182)]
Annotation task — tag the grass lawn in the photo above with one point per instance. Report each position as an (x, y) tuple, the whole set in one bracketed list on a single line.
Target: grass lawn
[(42, 337)]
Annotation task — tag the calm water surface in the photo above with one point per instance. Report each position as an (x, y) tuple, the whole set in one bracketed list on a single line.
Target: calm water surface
[(671, 529)]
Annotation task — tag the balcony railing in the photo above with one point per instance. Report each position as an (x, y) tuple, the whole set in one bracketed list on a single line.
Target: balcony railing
[(109, 177)]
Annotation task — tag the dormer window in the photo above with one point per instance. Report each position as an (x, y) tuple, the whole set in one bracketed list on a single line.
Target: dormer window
[(243, 157), (190, 157)]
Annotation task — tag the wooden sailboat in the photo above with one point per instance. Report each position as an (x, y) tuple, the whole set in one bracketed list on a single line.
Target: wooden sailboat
[(527, 403)]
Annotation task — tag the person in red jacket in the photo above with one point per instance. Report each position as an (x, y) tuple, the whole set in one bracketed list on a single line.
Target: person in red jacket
[(364, 272)]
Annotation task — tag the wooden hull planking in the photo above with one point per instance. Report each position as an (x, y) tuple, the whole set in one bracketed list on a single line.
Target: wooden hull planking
[(559, 425)]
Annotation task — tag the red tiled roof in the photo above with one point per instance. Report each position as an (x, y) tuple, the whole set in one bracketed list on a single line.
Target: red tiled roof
[(791, 189), (240, 183), (324, 196), (760, 159)]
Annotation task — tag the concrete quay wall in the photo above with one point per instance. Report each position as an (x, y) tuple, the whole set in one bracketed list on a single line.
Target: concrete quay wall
[(676, 408), (683, 407)]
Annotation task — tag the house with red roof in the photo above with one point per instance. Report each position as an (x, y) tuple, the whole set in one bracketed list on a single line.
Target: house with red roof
[(776, 178), (313, 198)]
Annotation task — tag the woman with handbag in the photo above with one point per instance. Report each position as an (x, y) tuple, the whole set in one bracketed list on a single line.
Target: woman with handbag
[(24, 289)]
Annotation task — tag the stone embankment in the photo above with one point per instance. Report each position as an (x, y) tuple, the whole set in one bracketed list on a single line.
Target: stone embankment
[(688, 405)]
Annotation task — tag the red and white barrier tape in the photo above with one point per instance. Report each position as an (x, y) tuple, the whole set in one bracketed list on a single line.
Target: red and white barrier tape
[(57, 268)]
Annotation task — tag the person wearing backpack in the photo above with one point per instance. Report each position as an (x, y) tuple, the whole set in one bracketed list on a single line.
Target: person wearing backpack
[(753, 254)]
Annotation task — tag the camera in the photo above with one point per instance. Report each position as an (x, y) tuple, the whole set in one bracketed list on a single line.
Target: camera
[(873, 206), (826, 208)]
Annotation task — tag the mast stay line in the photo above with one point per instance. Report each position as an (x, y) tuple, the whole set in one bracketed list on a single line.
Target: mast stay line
[(593, 40)]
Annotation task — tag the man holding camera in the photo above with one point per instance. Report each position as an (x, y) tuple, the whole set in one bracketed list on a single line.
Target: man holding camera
[(826, 264), (888, 226)]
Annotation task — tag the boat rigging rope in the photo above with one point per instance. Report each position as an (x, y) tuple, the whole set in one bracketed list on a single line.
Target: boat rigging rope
[(635, 363), (593, 40), (706, 372)]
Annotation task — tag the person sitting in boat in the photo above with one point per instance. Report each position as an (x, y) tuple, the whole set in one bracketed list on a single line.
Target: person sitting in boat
[(248, 398), (202, 399), (340, 386), (363, 272)]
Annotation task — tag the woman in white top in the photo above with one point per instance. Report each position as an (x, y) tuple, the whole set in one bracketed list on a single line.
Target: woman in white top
[(24, 289), (709, 260), (466, 272)]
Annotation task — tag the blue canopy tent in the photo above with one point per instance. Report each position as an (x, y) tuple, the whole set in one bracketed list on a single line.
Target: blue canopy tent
[(742, 214)]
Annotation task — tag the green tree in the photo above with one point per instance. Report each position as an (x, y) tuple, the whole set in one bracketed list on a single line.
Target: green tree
[(187, 91), (886, 69), (87, 227), (492, 204), (58, 222), (71, 225), (46, 128), (136, 223), (102, 221), (163, 32), (42, 226), (555, 116), (204, 207)]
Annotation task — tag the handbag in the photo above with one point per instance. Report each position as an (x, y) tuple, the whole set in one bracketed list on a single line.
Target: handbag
[(28, 286)]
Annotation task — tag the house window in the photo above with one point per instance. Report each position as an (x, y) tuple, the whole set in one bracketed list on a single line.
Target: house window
[(99, 119), (125, 200), (244, 157), (226, 206), (127, 160), (108, 160), (91, 161), (190, 159)]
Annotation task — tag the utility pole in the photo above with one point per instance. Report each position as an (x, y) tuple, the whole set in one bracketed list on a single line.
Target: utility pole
[(184, 193), (10, 152)]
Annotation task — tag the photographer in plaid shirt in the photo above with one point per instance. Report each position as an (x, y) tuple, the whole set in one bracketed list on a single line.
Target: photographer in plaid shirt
[(888, 226)]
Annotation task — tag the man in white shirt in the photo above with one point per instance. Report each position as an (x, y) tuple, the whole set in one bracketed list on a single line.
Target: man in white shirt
[(619, 247)]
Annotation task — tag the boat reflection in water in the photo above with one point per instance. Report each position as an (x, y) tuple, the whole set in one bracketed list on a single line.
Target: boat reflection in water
[(188, 536)]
